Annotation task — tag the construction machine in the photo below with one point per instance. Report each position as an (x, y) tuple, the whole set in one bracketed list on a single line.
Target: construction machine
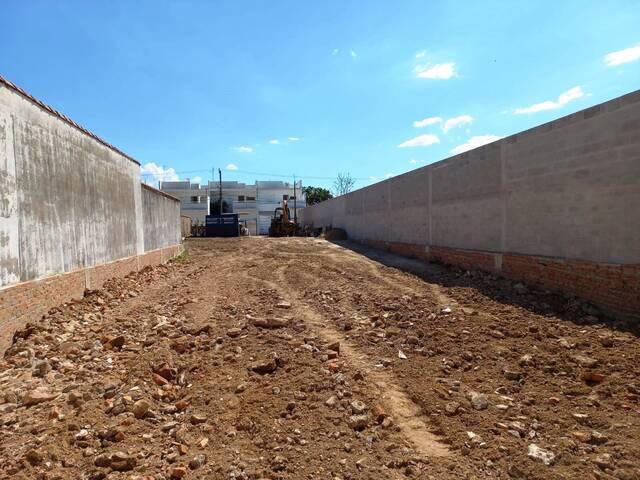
[(281, 223)]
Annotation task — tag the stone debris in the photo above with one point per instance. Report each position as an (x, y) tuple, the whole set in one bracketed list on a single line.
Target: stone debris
[(163, 375), (545, 456)]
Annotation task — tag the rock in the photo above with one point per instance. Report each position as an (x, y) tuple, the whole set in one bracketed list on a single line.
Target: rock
[(358, 422), (102, 460), (598, 438), (401, 355), (241, 387), (271, 323), (412, 340), (197, 419), (34, 397), (511, 374), (331, 401), (234, 332), (582, 418), (41, 368), (379, 413), (604, 461), (141, 408), (283, 305), (526, 360), (592, 377), (545, 456), (335, 346), (585, 361), (178, 472), (358, 407), (452, 408), (122, 462), (265, 366), (626, 474), (198, 461), (479, 401), (159, 380)]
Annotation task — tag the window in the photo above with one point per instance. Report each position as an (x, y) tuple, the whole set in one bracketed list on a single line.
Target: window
[(203, 199), (285, 197), (251, 199), (241, 198), (194, 199)]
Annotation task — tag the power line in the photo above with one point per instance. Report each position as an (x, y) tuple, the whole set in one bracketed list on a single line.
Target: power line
[(246, 172)]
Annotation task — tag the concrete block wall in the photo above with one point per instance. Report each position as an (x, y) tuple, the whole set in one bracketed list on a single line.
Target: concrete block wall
[(557, 206), (72, 211)]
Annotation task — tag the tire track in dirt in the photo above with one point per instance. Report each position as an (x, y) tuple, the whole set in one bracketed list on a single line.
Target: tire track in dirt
[(406, 414)]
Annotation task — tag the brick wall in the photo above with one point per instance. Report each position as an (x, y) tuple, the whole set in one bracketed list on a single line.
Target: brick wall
[(613, 288), (30, 300)]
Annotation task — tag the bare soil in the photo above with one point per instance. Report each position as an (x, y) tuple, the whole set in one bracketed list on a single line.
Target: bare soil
[(261, 358)]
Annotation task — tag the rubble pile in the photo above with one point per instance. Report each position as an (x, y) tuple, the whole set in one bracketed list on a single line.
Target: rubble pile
[(220, 368)]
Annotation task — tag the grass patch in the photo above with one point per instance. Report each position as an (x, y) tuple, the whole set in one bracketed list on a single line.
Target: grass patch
[(183, 257)]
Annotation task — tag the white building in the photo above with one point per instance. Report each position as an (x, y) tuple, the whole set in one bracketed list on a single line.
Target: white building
[(254, 204)]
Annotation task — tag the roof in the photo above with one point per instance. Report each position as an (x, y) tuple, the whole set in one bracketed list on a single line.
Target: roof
[(64, 118)]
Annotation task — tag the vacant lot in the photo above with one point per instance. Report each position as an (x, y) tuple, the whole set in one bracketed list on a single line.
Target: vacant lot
[(301, 359)]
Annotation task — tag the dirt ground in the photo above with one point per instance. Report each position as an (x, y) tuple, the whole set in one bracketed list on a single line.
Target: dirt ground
[(260, 358)]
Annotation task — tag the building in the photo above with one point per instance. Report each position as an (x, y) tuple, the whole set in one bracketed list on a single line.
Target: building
[(254, 203)]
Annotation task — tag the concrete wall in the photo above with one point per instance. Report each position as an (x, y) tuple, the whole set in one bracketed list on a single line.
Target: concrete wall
[(68, 200), (72, 211), (567, 189), (161, 219)]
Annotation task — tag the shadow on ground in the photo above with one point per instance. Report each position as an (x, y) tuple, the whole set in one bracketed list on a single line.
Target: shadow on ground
[(460, 282)]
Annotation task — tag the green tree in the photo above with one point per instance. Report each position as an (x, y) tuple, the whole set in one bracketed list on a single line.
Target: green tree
[(316, 194)]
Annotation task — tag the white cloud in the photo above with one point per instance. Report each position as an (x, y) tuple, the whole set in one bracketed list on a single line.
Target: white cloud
[(275, 141), (456, 122), (440, 71), (243, 149), (293, 139), (231, 166), (475, 142), (389, 175), (427, 121), (622, 56), (420, 141), (421, 54), (353, 54), (196, 180), (563, 99), (413, 161), (152, 174), (335, 51), (373, 179)]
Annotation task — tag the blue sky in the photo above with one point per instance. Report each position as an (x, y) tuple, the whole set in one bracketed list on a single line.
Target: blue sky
[(373, 88)]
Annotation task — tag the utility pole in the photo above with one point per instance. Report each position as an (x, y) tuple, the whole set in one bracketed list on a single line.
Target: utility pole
[(295, 202), (220, 189)]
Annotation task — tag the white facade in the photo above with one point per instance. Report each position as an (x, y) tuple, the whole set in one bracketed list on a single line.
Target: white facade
[(254, 204), (194, 199)]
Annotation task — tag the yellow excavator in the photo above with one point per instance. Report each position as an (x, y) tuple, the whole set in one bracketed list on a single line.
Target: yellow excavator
[(281, 223)]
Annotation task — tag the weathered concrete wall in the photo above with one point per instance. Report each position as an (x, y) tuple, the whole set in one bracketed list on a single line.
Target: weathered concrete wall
[(161, 218), (72, 212), (568, 189), (72, 200)]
